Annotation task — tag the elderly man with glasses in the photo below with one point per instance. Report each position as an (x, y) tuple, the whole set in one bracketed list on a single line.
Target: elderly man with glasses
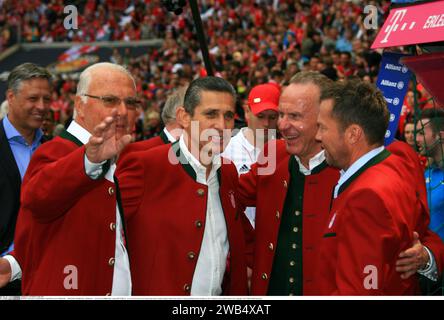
[(70, 237)]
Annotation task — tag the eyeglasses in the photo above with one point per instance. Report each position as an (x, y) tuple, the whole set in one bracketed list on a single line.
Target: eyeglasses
[(110, 101)]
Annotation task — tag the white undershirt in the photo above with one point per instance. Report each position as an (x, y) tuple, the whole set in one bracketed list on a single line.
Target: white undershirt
[(212, 260)]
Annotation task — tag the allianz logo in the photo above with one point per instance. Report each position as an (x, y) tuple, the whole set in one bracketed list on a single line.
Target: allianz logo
[(388, 83), (393, 67), (393, 101)]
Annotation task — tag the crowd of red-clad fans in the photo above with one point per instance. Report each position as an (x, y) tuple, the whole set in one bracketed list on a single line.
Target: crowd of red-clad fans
[(250, 42)]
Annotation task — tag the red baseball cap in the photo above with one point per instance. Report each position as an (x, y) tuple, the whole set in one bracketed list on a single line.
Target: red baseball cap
[(264, 97)]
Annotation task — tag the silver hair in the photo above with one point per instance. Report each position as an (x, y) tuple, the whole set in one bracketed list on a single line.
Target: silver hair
[(173, 101), (24, 72), (86, 75)]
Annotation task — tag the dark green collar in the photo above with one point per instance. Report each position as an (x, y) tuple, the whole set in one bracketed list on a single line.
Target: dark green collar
[(373, 161), (68, 136), (320, 167), (164, 137), (183, 160), (294, 165)]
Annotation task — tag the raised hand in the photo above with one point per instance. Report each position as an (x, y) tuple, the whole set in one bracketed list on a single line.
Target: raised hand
[(105, 143)]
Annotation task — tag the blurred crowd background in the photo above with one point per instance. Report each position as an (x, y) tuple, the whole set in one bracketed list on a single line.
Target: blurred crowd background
[(250, 42)]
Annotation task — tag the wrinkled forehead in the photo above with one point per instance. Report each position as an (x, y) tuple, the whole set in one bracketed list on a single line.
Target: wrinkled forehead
[(112, 80), (300, 98)]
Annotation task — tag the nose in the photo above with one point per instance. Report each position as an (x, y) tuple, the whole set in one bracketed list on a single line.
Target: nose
[(318, 136), (266, 123), (121, 108), (42, 104), (220, 123)]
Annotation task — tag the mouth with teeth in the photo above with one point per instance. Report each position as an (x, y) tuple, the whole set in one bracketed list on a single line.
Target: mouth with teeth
[(291, 139), (37, 116)]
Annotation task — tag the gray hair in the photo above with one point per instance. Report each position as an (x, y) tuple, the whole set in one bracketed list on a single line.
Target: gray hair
[(192, 96), (86, 75), (173, 101), (312, 77), (24, 72)]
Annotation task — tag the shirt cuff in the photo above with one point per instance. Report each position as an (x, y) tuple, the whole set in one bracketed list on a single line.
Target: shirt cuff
[(431, 269), (16, 271), (93, 170)]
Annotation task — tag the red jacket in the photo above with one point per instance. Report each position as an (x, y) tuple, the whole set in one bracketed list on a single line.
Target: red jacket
[(166, 211), (267, 193), (371, 221), (145, 144), (65, 224)]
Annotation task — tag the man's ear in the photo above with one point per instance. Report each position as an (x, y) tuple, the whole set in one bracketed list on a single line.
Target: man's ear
[(10, 96), (79, 106), (353, 134), (183, 118)]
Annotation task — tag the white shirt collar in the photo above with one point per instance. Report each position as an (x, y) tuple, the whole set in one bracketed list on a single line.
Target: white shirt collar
[(312, 163), (169, 135), (201, 171), (358, 164), (79, 132)]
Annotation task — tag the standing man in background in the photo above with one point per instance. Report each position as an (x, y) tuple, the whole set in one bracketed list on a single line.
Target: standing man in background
[(172, 130), (430, 139), (29, 98), (261, 113)]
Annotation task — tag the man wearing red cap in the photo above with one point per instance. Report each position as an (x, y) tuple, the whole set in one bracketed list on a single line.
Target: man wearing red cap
[(261, 113)]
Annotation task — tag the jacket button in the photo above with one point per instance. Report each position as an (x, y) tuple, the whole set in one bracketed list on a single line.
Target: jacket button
[(270, 246), (278, 214), (295, 229), (297, 213), (112, 226), (191, 255), (110, 191), (111, 262), (186, 287), (200, 192), (198, 224), (264, 276)]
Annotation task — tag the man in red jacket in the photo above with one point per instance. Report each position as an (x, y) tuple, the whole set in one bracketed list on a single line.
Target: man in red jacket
[(183, 234), (70, 237), (376, 205), (291, 186)]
